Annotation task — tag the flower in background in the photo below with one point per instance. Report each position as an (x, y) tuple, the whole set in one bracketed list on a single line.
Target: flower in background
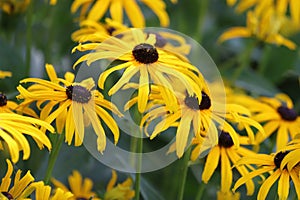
[(93, 31), (282, 166), (277, 115), (43, 192), (80, 188), (72, 105), (4, 74), (140, 55), (263, 24), (226, 155), (18, 190), (13, 6), (13, 129), (53, 2), (122, 191), (98, 9)]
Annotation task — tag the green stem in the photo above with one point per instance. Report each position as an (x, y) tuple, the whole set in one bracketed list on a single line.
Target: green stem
[(53, 156), (184, 170), (266, 51), (28, 37), (201, 17), (244, 60), (139, 146), (200, 191)]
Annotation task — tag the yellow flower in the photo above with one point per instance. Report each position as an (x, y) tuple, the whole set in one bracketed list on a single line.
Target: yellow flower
[(79, 105), (13, 129), (14, 6), (277, 116), (228, 195), (281, 166), (18, 190), (202, 118), (80, 188), (225, 154), (43, 192), (131, 7), (93, 31), (265, 26), (4, 74), (53, 2), (122, 191), (141, 55)]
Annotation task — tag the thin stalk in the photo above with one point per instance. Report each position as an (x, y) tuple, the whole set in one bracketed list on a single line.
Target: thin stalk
[(28, 37), (266, 51), (200, 191), (53, 156), (244, 60), (139, 146), (201, 17), (184, 170)]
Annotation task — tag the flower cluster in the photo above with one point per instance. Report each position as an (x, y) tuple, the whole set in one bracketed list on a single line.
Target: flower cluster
[(238, 136)]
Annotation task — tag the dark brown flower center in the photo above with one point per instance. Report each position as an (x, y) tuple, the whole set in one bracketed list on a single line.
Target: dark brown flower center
[(78, 93), (192, 102), (225, 140), (81, 198), (279, 157), (145, 53), (287, 113), (9, 196), (3, 99)]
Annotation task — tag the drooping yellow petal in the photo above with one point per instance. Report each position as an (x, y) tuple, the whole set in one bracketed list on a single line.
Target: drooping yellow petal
[(211, 163), (267, 184)]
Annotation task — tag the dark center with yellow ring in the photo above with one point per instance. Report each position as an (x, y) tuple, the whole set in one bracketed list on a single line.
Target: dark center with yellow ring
[(287, 113), (145, 53), (225, 140), (78, 93), (3, 99), (279, 157), (192, 102)]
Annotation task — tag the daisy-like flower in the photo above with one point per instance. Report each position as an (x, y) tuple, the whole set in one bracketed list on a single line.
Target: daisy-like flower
[(226, 155), (43, 192), (13, 6), (265, 26), (93, 31), (120, 191), (80, 188), (72, 105), (52, 2), (131, 7), (18, 190), (283, 166), (141, 55), (13, 129), (277, 116), (202, 118), (4, 74)]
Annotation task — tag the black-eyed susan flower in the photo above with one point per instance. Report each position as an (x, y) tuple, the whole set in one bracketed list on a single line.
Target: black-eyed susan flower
[(202, 118), (154, 65), (52, 2), (265, 26), (93, 31), (13, 6), (120, 191), (99, 7), (72, 105), (20, 188), (277, 115), (45, 192), (13, 129), (79, 187), (282, 167), (4, 74), (225, 155)]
